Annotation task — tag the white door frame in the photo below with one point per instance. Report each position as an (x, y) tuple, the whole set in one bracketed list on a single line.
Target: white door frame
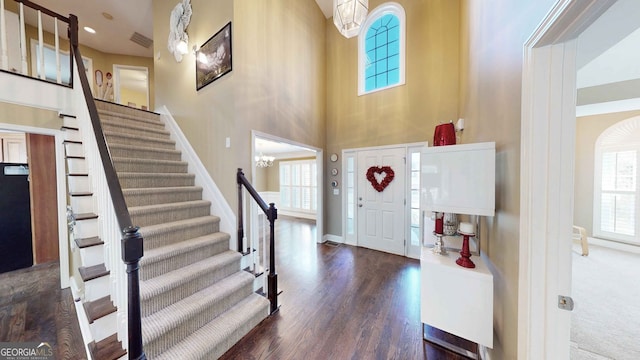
[(546, 177), (116, 80), (319, 173)]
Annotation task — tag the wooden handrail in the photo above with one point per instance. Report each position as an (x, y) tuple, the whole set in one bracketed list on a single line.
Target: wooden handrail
[(272, 215), (46, 11), (132, 242)]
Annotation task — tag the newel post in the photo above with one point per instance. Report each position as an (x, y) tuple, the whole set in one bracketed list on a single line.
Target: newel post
[(239, 177), (272, 278), (132, 252)]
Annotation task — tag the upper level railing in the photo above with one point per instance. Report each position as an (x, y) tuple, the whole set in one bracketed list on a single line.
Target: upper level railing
[(50, 62), (272, 214)]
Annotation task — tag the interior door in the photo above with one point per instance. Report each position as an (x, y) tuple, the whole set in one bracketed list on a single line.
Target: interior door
[(381, 214)]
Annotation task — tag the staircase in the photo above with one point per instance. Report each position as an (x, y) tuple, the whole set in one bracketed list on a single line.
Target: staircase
[(196, 302)]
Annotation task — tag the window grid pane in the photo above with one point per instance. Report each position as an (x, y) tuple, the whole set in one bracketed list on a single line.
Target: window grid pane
[(382, 46), (298, 185)]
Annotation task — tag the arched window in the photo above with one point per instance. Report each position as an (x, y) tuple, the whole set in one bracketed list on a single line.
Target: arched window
[(616, 210), (381, 48)]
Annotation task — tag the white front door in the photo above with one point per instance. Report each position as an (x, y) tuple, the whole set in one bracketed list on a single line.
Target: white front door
[(381, 214)]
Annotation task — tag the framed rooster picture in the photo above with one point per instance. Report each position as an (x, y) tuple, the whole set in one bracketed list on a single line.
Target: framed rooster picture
[(213, 59)]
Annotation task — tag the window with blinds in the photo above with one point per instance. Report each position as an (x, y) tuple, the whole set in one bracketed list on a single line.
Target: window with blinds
[(618, 194), (298, 185)]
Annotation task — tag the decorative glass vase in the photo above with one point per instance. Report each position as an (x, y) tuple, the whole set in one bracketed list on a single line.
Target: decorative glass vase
[(450, 224)]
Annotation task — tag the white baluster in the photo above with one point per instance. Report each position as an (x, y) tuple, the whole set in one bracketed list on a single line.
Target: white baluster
[(41, 46), (23, 42), (4, 56), (57, 41)]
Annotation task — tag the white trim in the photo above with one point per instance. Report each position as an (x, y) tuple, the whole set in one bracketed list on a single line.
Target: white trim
[(116, 82), (333, 238), (319, 172), (614, 245), (608, 107), (397, 10), (211, 192), (61, 189), (546, 177)]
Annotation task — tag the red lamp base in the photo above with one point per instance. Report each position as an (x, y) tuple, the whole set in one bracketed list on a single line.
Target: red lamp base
[(465, 255)]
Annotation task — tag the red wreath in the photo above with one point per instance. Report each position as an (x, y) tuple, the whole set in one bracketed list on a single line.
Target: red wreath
[(380, 186)]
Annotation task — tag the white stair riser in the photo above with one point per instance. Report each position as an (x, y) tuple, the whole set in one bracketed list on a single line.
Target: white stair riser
[(86, 228), (82, 204), (77, 166), (69, 121), (96, 288), (92, 255), (79, 184), (104, 327), (260, 282), (73, 149), (73, 135)]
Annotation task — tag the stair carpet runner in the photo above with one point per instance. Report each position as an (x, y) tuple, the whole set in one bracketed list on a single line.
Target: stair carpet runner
[(196, 302)]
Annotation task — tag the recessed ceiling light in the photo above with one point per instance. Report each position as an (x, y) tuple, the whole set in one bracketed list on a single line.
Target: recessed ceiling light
[(89, 30), (107, 16)]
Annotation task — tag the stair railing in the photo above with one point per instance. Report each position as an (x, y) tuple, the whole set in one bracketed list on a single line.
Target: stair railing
[(272, 214), (13, 59), (132, 241)]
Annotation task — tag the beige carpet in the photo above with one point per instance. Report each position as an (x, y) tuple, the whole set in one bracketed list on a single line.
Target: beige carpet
[(606, 318)]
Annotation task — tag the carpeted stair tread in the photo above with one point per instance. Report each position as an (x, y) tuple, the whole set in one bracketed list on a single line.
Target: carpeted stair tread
[(139, 116), (150, 196), (137, 140), (214, 339), (134, 128), (125, 164), (142, 152), (130, 180), (155, 214), (170, 233), (164, 290), (172, 324), (164, 259)]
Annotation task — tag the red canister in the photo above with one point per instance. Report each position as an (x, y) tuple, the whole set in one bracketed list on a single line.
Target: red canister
[(445, 134)]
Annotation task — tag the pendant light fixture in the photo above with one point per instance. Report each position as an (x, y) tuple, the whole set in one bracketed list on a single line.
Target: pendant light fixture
[(349, 15)]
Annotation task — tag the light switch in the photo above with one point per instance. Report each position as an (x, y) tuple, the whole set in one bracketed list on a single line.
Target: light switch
[(228, 142), (336, 191)]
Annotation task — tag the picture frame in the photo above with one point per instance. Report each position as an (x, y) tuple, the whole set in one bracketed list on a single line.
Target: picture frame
[(213, 58)]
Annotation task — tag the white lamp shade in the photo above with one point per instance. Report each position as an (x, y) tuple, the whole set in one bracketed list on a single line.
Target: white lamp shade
[(349, 15)]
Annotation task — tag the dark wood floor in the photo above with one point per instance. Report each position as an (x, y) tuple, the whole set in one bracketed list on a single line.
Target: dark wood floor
[(34, 309), (340, 302)]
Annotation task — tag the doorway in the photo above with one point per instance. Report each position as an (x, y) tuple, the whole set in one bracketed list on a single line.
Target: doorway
[(546, 187), (289, 174), (131, 86), (387, 220)]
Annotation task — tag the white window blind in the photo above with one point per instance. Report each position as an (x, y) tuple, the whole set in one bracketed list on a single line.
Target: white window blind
[(298, 185), (619, 192)]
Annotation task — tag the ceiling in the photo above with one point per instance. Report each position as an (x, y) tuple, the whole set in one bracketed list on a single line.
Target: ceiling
[(281, 150)]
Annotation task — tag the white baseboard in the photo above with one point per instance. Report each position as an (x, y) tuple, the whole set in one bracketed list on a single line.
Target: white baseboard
[(81, 317), (332, 238), (614, 245), (297, 214)]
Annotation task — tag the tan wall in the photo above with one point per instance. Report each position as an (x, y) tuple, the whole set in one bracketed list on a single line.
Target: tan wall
[(129, 95), (490, 102), (588, 129), (404, 114), (277, 84), (28, 116)]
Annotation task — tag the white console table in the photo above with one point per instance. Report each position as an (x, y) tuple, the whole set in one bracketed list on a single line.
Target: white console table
[(456, 299)]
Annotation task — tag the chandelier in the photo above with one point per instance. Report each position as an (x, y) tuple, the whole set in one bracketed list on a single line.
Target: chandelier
[(264, 161), (348, 15)]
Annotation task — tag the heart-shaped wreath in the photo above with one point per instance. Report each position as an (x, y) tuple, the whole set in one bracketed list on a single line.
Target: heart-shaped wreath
[(371, 176)]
